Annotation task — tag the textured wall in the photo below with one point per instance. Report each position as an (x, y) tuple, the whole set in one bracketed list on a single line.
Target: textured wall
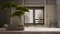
[(51, 2), (3, 15), (50, 15), (34, 2), (18, 2), (58, 12), (39, 2)]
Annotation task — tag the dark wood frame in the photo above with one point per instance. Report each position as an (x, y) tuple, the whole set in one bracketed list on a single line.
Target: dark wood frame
[(34, 16)]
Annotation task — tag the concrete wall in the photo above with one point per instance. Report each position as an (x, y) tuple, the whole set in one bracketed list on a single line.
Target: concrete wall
[(51, 2), (3, 16), (18, 2), (34, 2), (58, 12), (50, 15), (39, 2)]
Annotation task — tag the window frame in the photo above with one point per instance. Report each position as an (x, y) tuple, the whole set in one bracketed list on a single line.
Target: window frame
[(34, 16)]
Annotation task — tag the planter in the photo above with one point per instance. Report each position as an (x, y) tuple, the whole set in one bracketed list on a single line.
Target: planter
[(15, 28)]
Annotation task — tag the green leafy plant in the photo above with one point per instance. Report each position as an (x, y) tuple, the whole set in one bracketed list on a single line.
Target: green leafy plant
[(7, 5), (20, 10)]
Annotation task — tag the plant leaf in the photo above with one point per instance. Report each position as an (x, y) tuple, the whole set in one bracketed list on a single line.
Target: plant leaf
[(22, 8), (17, 14), (7, 5)]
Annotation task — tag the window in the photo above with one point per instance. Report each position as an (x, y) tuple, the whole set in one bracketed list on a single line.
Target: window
[(29, 16), (38, 15), (34, 16)]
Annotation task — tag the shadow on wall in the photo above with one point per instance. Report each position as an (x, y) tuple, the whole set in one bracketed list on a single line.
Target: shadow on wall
[(53, 24)]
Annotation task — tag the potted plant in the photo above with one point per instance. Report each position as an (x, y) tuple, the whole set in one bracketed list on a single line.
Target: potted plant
[(20, 11)]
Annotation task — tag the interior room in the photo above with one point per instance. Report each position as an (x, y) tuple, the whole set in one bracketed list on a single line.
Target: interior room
[(36, 15)]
